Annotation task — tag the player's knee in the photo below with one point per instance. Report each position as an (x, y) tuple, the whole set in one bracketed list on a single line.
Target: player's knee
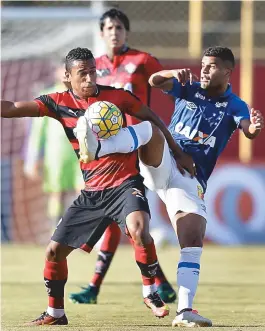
[(157, 135), (156, 144), (191, 242), (191, 238), (56, 252), (138, 227), (139, 234), (190, 229)]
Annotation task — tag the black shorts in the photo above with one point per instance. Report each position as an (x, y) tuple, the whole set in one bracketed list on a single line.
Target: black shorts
[(91, 213)]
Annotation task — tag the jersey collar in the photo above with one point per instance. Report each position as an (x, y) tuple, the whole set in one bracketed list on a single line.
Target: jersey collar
[(125, 48), (225, 95)]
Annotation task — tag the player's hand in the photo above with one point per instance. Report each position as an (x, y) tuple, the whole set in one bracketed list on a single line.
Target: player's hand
[(185, 162), (185, 75), (256, 119)]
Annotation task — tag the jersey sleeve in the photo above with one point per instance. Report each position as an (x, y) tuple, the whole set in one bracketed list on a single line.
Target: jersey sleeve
[(152, 65), (47, 105), (177, 89), (130, 104), (241, 112)]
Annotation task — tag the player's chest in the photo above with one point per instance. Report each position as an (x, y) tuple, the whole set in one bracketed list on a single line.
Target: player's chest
[(125, 74), (203, 122), (206, 114)]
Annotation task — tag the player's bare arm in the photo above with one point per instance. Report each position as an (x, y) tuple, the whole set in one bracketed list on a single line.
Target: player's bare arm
[(11, 109), (164, 79), (184, 160), (252, 127)]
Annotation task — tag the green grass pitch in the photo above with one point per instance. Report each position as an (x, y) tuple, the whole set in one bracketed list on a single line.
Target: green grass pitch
[(231, 290)]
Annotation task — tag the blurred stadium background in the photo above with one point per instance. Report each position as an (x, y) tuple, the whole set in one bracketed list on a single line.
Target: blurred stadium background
[(35, 34)]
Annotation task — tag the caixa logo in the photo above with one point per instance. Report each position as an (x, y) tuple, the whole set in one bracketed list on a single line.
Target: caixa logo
[(235, 205), (195, 135)]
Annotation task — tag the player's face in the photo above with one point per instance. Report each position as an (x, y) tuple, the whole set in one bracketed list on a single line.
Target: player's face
[(83, 78), (214, 72), (114, 33)]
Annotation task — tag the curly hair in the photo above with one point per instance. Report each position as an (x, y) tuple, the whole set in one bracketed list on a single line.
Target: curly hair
[(114, 13), (77, 54), (223, 53)]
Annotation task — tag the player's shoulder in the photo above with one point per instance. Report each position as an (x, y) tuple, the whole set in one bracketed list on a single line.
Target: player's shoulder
[(106, 88), (110, 89), (119, 91), (193, 89), (100, 58), (55, 98), (59, 95), (146, 55), (235, 102)]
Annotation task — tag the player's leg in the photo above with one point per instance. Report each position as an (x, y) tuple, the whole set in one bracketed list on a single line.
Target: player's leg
[(184, 201), (126, 141), (55, 278), (137, 224), (190, 230), (87, 223), (135, 216), (164, 288), (108, 248)]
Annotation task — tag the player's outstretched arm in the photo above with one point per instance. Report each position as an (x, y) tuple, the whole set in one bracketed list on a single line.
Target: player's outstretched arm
[(11, 109), (252, 127), (164, 79)]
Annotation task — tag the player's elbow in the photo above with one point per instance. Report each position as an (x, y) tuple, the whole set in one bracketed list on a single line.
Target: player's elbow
[(156, 80), (5, 113), (151, 80)]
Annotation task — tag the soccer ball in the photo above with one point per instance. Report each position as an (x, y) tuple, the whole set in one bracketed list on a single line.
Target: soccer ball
[(104, 119)]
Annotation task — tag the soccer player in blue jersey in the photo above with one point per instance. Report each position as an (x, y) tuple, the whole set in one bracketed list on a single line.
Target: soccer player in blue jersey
[(206, 115)]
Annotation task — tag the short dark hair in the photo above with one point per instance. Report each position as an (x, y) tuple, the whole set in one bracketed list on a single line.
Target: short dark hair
[(114, 13), (223, 53), (77, 54)]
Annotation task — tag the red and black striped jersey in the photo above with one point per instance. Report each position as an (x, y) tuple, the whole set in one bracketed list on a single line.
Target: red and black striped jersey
[(66, 107), (130, 70)]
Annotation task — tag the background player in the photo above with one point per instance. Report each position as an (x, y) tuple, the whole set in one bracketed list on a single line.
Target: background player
[(121, 67), (61, 173), (110, 182), (206, 115)]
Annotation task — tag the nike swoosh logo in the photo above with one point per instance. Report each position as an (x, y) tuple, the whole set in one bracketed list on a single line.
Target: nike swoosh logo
[(53, 322)]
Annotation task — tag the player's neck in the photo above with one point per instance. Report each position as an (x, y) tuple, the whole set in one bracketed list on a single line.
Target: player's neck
[(111, 52), (216, 92), (91, 95)]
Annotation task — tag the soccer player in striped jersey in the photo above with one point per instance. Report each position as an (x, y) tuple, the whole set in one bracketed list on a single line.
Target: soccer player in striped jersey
[(121, 67), (110, 182)]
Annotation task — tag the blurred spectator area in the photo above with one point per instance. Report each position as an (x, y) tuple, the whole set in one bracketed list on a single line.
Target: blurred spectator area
[(161, 27)]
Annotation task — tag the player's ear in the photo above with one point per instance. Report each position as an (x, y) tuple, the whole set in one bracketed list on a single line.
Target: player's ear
[(67, 77), (127, 36), (228, 72)]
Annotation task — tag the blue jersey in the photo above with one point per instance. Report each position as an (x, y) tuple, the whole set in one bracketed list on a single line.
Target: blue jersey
[(202, 126)]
